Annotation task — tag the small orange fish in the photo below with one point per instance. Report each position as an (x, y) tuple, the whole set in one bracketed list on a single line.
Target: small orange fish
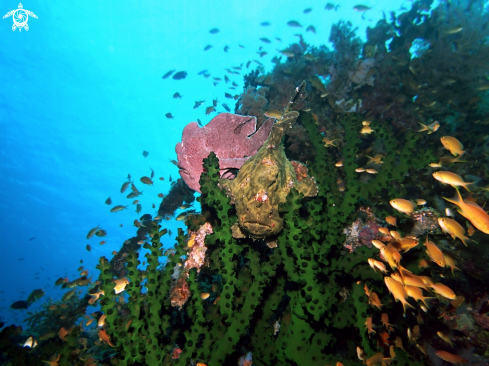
[(470, 229), (450, 262), (368, 325), (161, 195), (444, 291), (102, 334), (373, 299), (405, 206), (417, 294), (114, 252), (472, 212), (377, 265), (450, 178), (103, 242), (385, 320), (384, 230), (53, 307), (204, 295), (398, 292), (62, 334), (423, 263), (339, 164), (120, 285), (434, 253), (446, 356), (391, 220), (445, 337), (453, 145)]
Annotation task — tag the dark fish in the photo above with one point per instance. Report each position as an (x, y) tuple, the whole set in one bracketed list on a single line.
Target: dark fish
[(307, 11), (207, 75), (208, 47), (329, 6), (108, 201), (174, 162), (180, 75), (169, 116), (168, 74), (214, 102), (198, 104), (199, 122), (35, 295), (278, 39), (145, 153), (152, 173), (241, 46), (31, 239), (294, 24), (208, 111), (311, 29), (265, 40), (265, 24), (202, 72), (139, 208), (226, 48), (134, 194), (177, 95), (18, 305), (234, 84), (361, 8), (226, 79), (171, 180), (248, 64), (226, 107), (214, 31), (227, 95), (60, 280), (262, 53), (101, 233)]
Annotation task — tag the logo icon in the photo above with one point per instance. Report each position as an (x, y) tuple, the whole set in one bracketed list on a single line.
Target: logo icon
[(20, 17)]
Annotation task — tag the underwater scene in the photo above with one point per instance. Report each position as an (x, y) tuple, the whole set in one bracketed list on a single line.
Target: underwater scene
[(244, 183)]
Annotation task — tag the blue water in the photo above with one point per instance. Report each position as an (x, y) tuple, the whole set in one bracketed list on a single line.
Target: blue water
[(81, 97)]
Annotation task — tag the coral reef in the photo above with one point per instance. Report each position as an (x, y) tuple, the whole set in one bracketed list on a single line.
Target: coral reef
[(227, 135)]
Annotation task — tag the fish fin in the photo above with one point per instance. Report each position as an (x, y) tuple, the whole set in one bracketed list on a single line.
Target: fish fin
[(425, 127), (453, 237), (457, 200)]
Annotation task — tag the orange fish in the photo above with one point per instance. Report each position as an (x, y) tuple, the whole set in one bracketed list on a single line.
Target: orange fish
[(444, 291), (450, 178), (373, 299), (416, 293), (446, 356), (377, 265), (63, 333), (398, 291), (402, 205), (120, 285), (450, 262), (384, 230), (391, 220), (472, 212), (453, 145), (423, 263), (434, 253), (102, 334), (385, 320), (368, 325)]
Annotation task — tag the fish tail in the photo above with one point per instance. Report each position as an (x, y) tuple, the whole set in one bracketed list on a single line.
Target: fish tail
[(423, 299), (425, 128), (466, 184), (457, 200), (406, 304), (455, 268)]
